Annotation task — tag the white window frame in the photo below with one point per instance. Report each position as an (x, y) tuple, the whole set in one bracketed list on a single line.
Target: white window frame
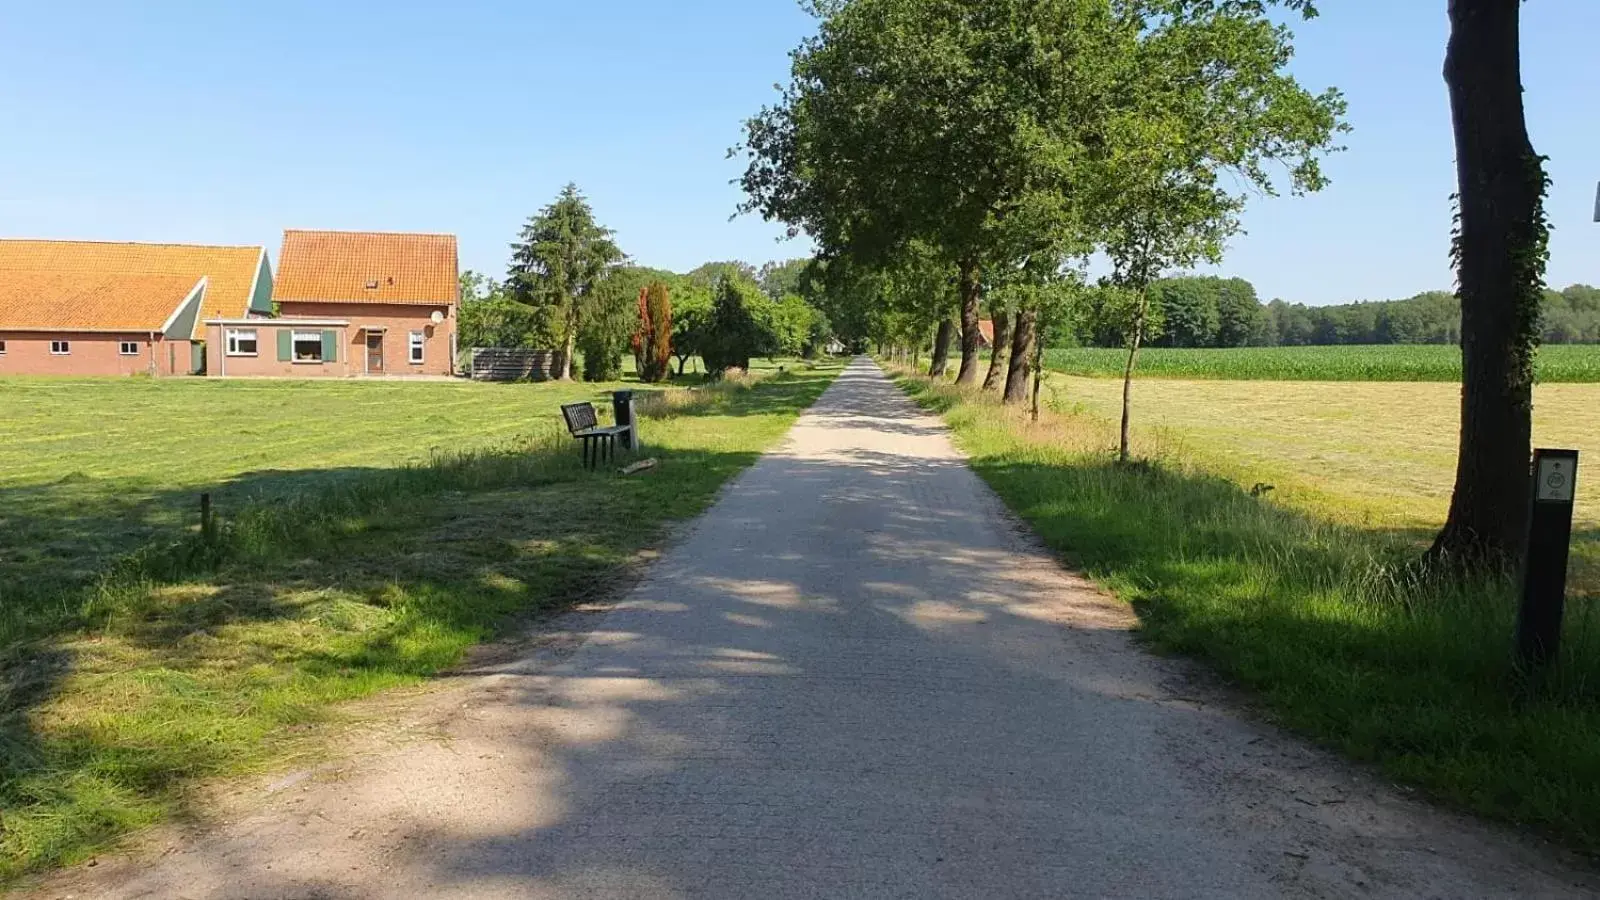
[(60, 348), (232, 337), (415, 344), (295, 337), (122, 348)]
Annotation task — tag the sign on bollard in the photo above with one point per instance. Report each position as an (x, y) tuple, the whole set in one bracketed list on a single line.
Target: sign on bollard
[(1544, 574)]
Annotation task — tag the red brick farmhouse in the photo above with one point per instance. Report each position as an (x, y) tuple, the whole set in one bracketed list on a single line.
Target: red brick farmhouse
[(349, 304)]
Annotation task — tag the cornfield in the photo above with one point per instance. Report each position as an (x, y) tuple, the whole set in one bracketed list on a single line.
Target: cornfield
[(1397, 362)]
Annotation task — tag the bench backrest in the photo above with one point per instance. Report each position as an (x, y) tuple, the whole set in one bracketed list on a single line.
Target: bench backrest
[(579, 416)]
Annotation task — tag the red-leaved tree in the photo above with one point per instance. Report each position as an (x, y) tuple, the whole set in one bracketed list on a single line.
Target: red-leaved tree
[(652, 343)]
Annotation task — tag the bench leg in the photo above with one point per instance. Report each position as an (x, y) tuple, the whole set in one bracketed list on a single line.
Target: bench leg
[(586, 463)]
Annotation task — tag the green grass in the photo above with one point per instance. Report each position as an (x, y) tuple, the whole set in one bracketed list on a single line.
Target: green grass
[(1556, 363), (1331, 624), (348, 562)]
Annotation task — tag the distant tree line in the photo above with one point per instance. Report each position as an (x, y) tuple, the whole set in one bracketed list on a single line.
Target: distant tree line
[(1208, 311)]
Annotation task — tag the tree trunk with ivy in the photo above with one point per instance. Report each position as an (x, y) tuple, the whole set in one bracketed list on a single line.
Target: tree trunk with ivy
[(941, 348), (998, 350), (1021, 357), (1500, 250), (971, 336)]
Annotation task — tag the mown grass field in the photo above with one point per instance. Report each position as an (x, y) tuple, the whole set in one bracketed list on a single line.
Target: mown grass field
[(371, 534), (1311, 596), (1379, 456), (94, 468), (1556, 363)]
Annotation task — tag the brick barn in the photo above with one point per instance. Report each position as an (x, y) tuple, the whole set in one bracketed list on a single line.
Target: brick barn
[(101, 308)]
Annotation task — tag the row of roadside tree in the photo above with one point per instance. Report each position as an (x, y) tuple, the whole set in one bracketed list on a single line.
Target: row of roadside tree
[(959, 155), (947, 155)]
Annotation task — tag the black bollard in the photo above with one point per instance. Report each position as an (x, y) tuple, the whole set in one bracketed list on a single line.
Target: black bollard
[(622, 409), (1544, 573)]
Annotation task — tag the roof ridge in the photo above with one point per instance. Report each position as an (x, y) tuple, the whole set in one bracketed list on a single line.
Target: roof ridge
[(289, 231), (133, 243)]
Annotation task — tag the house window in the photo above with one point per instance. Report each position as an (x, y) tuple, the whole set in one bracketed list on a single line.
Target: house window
[(128, 348), (416, 348), (60, 348), (242, 342), (308, 346), (2, 348)]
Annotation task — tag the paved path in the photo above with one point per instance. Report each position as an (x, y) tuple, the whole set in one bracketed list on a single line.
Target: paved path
[(854, 678)]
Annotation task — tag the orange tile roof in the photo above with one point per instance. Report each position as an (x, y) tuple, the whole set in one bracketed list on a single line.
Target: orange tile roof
[(49, 301), (101, 286), (367, 267)]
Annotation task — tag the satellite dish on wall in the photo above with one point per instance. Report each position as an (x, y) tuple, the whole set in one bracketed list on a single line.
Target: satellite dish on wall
[(437, 317)]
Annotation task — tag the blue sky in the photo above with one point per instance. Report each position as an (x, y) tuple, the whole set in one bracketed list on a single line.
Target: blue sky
[(227, 122)]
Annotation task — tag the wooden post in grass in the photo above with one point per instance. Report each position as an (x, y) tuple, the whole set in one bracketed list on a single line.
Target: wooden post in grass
[(1544, 572), (207, 524)]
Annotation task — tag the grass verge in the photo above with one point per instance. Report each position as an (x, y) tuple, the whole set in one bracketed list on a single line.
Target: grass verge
[(1329, 623), (193, 659)]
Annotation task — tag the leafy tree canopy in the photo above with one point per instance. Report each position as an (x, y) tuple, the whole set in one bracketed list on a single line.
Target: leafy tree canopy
[(733, 334), (1012, 138), (780, 279)]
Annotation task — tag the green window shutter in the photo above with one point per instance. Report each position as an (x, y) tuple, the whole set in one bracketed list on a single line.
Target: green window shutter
[(330, 346), (285, 345)]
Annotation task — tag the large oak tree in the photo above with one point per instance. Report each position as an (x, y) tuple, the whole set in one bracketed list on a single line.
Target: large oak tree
[(1500, 251)]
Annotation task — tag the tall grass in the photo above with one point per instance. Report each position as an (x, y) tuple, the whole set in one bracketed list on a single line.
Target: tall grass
[(1343, 636), (1395, 362)]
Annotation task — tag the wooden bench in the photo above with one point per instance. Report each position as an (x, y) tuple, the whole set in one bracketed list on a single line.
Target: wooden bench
[(598, 441)]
